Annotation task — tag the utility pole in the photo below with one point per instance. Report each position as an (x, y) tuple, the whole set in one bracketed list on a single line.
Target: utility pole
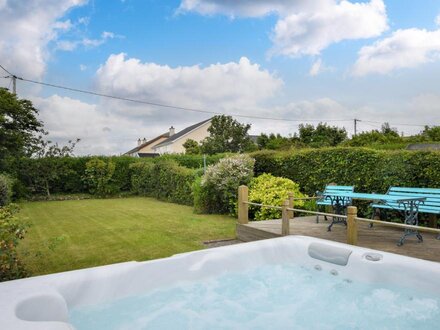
[(14, 84), (355, 126)]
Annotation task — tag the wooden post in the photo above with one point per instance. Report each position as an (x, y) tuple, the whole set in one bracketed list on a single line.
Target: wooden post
[(352, 230), (290, 205), (243, 208), (285, 230)]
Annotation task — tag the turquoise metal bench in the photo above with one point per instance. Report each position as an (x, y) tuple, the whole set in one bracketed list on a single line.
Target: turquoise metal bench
[(332, 189), (431, 204)]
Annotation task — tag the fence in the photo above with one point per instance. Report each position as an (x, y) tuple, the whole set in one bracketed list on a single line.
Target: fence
[(288, 212)]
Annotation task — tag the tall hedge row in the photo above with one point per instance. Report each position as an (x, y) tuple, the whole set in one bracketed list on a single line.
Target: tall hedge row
[(368, 170), (70, 179), (164, 180)]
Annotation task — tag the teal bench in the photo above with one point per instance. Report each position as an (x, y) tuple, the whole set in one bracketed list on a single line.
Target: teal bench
[(431, 204), (332, 189)]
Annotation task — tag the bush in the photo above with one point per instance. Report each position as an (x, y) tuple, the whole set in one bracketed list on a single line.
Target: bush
[(11, 232), (6, 184), (163, 179), (98, 177), (192, 161), (368, 170), (217, 190), (270, 190)]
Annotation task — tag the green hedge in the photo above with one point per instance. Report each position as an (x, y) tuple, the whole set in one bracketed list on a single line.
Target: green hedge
[(164, 179), (368, 170), (193, 161), (70, 176)]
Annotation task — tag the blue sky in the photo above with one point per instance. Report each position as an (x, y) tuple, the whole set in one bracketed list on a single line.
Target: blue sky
[(376, 60)]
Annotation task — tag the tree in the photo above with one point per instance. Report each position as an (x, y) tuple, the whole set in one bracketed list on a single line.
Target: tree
[(274, 142), (19, 127), (386, 129), (191, 147), (226, 135), (321, 136), (48, 167), (431, 133)]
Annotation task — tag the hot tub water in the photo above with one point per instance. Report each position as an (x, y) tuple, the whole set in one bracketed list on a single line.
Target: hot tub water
[(268, 297)]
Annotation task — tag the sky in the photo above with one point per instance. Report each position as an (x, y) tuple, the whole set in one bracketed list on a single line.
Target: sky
[(295, 61)]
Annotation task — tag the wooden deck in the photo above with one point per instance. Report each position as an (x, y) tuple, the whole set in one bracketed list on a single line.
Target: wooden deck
[(379, 237)]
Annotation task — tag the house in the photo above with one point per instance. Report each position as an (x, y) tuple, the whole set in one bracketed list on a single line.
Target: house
[(170, 142), (174, 143), (145, 148)]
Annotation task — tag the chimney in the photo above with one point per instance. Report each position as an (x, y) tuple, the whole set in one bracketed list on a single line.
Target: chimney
[(139, 142), (171, 131), (144, 140)]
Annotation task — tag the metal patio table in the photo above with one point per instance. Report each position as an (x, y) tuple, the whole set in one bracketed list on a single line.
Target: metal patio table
[(410, 206)]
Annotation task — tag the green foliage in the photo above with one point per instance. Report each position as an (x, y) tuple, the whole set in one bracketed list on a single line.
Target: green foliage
[(192, 161), (163, 179), (49, 168), (322, 135), (431, 133), (98, 177), (226, 135), (375, 137), (217, 190), (191, 147), (19, 127), (6, 183), (274, 142), (68, 178), (271, 190), (368, 170), (12, 230)]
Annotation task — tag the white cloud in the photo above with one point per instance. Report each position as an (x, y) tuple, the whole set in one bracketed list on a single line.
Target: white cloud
[(100, 132), (26, 28), (319, 67), (246, 8), (83, 67), (217, 86), (309, 32), (316, 67), (67, 45), (304, 27), (111, 126), (437, 20), (406, 48)]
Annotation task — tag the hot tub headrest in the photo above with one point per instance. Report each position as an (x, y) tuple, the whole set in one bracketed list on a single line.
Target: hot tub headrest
[(329, 253)]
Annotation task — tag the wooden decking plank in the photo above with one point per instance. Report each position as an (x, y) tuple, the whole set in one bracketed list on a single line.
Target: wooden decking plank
[(379, 237)]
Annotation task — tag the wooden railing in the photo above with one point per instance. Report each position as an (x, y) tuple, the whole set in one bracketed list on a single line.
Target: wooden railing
[(288, 212)]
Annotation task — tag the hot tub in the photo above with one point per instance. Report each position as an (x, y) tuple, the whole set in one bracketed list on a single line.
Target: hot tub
[(288, 282)]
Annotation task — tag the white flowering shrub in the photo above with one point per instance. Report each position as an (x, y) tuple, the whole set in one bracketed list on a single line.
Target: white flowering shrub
[(216, 192)]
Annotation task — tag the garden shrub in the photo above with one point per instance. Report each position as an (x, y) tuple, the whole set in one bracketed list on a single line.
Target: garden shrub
[(271, 190), (368, 170), (98, 177), (217, 191), (12, 230), (6, 184), (192, 161), (163, 179)]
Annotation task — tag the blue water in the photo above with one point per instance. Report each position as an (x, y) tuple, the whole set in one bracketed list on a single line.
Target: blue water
[(269, 297)]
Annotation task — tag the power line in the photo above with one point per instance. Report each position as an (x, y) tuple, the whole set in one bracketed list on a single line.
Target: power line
[(14, 77), (171, 106), (1, 66), (377, 122)]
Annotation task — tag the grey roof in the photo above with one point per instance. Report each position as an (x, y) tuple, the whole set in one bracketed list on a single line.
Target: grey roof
[(181, 133), (167, 134)]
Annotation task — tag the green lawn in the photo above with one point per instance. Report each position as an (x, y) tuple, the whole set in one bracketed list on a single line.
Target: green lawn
[(69, 235)]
